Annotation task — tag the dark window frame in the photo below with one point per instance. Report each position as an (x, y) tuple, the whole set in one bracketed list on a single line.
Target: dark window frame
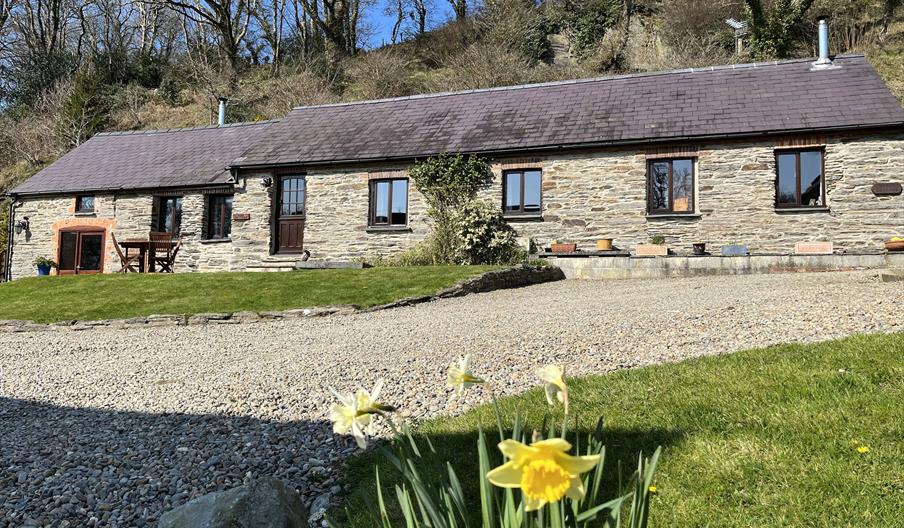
[(692, 206), (161, 215), (520, 211), (372, 203), (218, 231), (822, 178), (78, 204)]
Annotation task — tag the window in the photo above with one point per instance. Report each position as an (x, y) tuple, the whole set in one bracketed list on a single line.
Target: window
[(219, 216), (521, 192), (169, 214), (84, 204), (799, 178), (670, 186), (389, 202)]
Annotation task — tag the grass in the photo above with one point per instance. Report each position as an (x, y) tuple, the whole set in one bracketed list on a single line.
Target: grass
[(50, 299), (760, 438)]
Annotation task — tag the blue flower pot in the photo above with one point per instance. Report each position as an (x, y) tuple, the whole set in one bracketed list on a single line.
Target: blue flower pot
[(43, 270), (735, 250)]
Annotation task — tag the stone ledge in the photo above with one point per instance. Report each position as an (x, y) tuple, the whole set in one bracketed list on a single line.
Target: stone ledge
[(514, 277)]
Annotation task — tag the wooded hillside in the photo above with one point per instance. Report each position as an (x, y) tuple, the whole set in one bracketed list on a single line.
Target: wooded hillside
[(72, 68)]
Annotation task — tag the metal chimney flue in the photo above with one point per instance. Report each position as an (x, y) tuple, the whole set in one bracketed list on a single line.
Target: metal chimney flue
[(823, 60), (221, 117)]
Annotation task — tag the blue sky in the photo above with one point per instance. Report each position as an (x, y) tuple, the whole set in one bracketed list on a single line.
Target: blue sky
[(382, 24)]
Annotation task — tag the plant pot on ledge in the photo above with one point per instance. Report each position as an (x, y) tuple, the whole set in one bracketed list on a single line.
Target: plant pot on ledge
[(734, 250), (604, 244), (814, 248), (558, 247), (651, 250), (699, 249), (895, 244)]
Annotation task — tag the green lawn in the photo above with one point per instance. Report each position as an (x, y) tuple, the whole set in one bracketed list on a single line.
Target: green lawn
[(49, 299), (764, 437)]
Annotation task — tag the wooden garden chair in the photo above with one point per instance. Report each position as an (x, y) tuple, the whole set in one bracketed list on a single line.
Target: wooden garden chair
[(128, 262), (167, 264), (160, 248)]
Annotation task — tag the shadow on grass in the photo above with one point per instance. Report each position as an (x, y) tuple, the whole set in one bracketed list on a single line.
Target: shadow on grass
[(127, 468), (623, 447)]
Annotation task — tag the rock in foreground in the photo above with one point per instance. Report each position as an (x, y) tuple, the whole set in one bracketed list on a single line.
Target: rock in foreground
[(263, 503)]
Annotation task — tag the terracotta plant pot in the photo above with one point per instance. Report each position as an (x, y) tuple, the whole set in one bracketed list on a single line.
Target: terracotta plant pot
[(604, 244), (814, 248), (895, 245), (564, 248), (651, 250)]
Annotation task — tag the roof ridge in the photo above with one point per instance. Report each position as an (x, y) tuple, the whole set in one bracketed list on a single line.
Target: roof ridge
[(706, 69), (186, 129)]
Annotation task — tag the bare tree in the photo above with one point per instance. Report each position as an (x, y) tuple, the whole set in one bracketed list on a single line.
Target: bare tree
[(460, 8), (44, 25), (271, 18), (229, 19), (419, 14), (338, 22)]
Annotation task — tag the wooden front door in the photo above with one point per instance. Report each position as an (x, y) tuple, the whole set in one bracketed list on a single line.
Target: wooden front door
[(291, 214), (81, 252)]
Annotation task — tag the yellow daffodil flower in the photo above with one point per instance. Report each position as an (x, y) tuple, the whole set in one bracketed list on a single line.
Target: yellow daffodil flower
[(354, 413), (460, 376), (544, 471), (554, 378), (863, 449), (653, 489)]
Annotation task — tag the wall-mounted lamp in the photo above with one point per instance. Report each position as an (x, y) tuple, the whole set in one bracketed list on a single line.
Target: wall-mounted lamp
[(266, 182), (22, 225)]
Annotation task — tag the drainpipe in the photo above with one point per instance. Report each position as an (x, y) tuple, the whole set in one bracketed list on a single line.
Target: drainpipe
[(10, 232), (823, 60), (221, 117)]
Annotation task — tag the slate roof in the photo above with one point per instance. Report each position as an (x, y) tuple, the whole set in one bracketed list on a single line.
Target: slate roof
[(685, 104), (150, 159), (725, 101)]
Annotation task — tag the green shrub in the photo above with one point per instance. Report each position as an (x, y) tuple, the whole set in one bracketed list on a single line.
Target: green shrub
[(448, 183), (485, 236)]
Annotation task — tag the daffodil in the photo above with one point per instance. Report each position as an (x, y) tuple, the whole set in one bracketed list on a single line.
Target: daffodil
[(354, 412), (864, 449), (544, 471), (460, 376), (554, 378)]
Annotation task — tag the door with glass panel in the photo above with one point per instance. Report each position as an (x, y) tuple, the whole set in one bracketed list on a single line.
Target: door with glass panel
[(81, 252), (290, 215)]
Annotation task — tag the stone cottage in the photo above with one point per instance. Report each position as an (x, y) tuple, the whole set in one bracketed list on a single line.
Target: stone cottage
[(768, 154)]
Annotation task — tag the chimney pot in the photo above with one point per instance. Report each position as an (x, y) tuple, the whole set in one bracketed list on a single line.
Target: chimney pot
[(221, 117), (823, 59)]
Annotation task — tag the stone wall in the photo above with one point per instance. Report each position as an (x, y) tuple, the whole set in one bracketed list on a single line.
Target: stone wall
[(586, 196), (133, 216)]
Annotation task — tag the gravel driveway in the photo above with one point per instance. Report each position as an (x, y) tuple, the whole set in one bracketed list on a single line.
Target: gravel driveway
[(110, 427)]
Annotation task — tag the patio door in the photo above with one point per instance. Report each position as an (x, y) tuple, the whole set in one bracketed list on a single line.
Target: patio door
[(81, 252), (290, 215)]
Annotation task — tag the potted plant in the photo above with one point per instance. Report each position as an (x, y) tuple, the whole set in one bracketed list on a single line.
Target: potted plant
[(43, 264), (700, 248), (895, 244), (814, 248), (563, 247), (734, 249), (656, 248), (604, 244)]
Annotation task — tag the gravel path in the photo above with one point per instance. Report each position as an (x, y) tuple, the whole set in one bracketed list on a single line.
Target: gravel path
[(111, 427)]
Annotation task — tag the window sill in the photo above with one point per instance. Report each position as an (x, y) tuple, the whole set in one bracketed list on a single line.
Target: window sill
[(522, 217), (388, 229), (86, 213), (656, 216), (791, 210), (215, 240)]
